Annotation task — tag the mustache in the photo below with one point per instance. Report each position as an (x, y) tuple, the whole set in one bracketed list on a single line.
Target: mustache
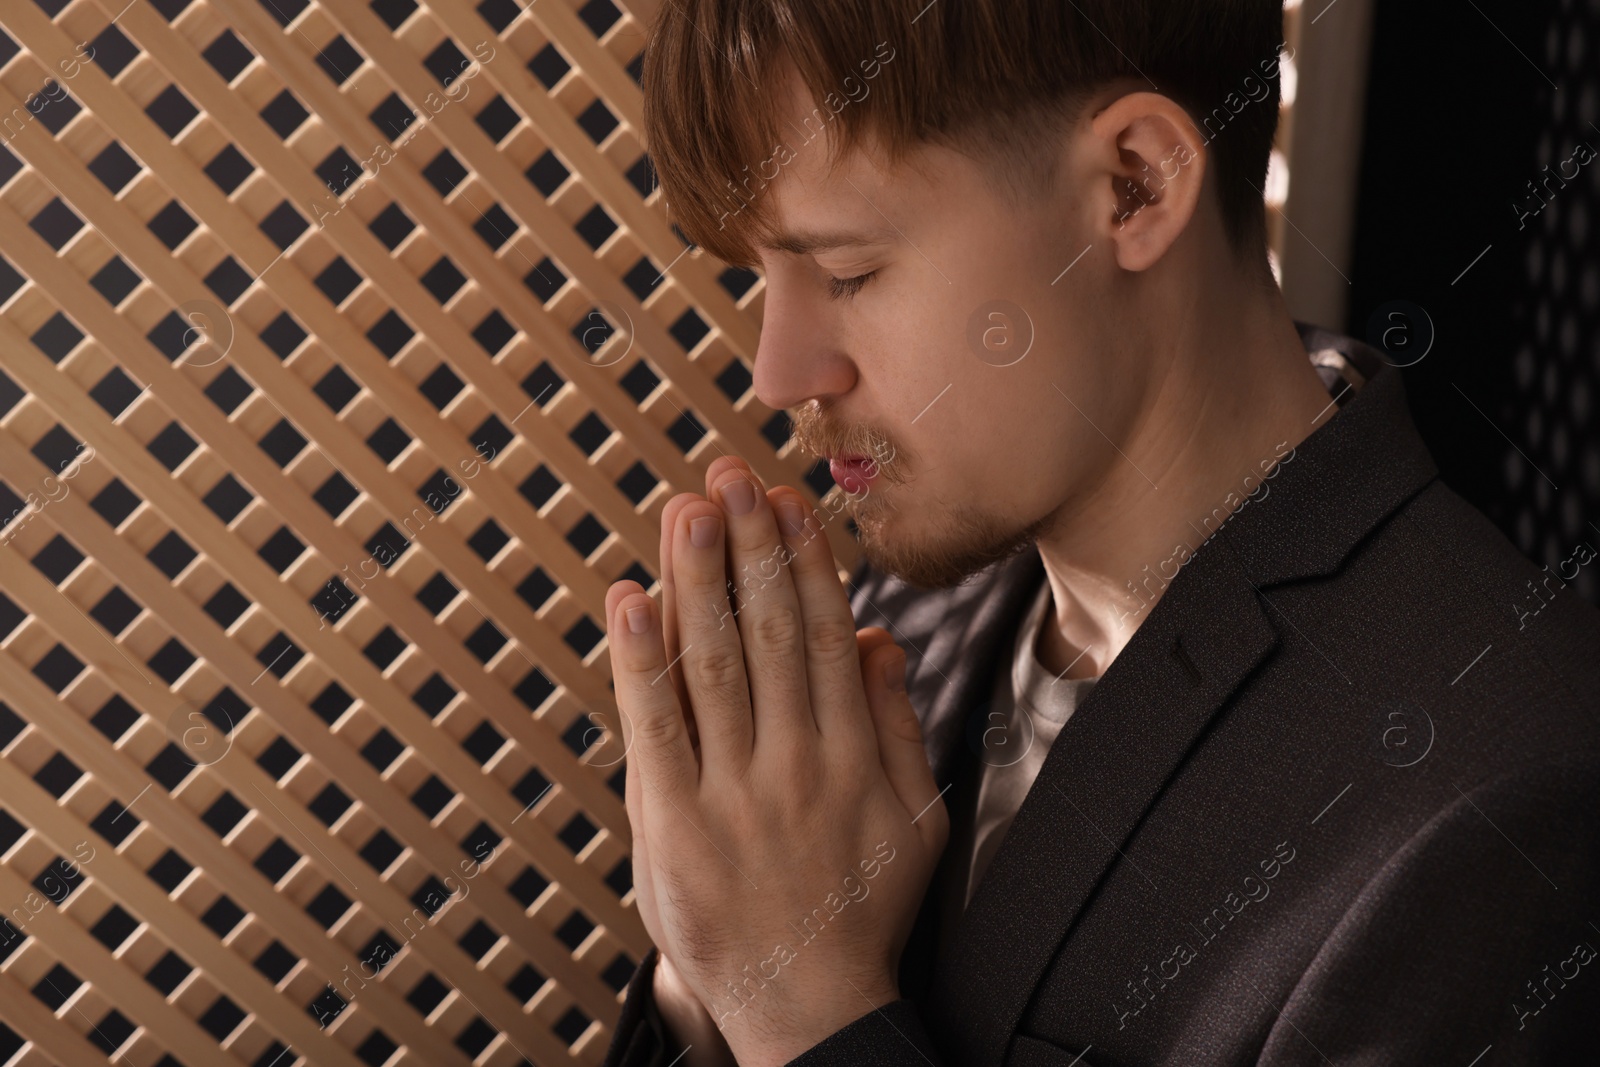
[(817, 434)]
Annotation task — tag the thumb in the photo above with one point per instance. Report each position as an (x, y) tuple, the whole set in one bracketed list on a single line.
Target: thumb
[(900, 750)]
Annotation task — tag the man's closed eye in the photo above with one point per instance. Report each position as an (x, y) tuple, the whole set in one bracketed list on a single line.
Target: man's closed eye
[(844, 288)]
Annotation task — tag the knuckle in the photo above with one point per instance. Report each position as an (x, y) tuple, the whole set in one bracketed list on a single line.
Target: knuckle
[(905, 727), (701, 582), (796, 776), (721, 668), (635, 658), (855, 761), (776, 629), (831, 639), (660, 729), (704, 612)]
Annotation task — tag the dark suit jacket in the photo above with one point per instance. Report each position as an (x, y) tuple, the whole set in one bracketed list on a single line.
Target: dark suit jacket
[(1336, 802)]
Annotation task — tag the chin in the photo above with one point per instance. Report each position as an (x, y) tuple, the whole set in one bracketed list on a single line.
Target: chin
[(937, 552)]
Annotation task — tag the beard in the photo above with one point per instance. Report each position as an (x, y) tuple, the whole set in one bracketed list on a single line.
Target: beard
[(948, 549), (965, 542)]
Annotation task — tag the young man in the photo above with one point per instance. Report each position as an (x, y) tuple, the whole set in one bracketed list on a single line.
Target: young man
[(1227, 734)]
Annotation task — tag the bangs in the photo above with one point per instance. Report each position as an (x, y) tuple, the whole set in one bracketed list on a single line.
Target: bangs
[(714, 131), (992, 78)]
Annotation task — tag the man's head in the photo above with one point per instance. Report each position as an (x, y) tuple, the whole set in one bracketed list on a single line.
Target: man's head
[(982, 225)]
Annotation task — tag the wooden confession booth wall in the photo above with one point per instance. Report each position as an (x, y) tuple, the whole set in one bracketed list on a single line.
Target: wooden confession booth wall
[(346, 357), (341, 377)]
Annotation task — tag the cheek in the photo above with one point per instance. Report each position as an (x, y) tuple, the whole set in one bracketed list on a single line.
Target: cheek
[(1023, 443), (999, 441)]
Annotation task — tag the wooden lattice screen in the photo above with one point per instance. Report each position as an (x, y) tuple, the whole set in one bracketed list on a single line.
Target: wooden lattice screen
[(346, 357)]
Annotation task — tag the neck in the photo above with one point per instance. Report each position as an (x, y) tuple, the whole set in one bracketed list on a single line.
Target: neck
[(1236, 392)]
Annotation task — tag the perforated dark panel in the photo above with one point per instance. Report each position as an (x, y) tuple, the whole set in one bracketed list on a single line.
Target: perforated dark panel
[(1555, 495), (1495, 243)]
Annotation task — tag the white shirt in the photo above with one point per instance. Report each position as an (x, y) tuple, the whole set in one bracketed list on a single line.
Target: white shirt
[(1028, 709)]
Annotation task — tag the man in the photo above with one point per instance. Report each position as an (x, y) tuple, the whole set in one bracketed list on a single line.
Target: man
[(1223, 732)]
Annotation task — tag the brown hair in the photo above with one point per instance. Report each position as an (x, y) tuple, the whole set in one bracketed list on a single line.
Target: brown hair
[(991, 78)]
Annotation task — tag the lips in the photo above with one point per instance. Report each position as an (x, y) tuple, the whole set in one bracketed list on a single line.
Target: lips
[(853, 473)]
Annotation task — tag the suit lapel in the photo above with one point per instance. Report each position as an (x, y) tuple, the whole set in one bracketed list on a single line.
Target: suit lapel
[(955, 641), (1107, 766), (952, 639), (1114, 756)]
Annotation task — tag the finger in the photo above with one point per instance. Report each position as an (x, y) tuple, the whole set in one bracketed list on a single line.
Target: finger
[(712, 655), (639, 854), (614, 595), (631, 785), (648, 705), (669, 609), (767, 611), (633, 796), (720, 466), (900, 747), (633, 800), (726, 468), (833, 662), (868, 639)]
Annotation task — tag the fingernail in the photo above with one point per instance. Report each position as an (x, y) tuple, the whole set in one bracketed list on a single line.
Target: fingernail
[(794, 522), (703, 531), (639, 619), (738, 496), (894, 674)]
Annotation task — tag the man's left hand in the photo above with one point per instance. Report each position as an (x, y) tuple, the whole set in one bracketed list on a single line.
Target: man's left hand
[(781, 855)]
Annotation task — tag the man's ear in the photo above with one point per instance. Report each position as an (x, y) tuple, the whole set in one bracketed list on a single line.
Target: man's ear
[(1150, 168)]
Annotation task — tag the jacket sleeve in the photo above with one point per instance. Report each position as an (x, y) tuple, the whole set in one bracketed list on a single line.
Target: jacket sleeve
[(1481, 932), (641, 1038), (890, 1036)]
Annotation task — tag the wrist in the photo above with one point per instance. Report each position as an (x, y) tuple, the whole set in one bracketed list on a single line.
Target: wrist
[(788, 1029), (688, 1024)]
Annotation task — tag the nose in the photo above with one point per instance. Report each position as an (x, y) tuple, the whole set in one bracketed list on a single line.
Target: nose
[(801, 355)]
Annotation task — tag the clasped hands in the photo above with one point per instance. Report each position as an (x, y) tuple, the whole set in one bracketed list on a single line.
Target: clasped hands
[(785, 819)]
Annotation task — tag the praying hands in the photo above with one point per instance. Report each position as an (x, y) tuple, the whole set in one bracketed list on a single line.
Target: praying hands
[(785, 819)]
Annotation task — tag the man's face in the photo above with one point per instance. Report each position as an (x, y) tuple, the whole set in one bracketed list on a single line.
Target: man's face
[(981, 365)]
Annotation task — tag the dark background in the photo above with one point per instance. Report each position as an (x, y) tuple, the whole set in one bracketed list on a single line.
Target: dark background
[(1457, 124)]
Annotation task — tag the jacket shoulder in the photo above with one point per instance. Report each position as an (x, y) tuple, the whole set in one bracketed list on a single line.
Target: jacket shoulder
[(1550, 620)]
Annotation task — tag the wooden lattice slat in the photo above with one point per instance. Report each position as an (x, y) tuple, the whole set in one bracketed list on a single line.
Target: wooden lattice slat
[(271, 683), (346, 358)]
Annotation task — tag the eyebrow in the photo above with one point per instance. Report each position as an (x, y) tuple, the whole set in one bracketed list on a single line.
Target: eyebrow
[(808, 242)]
